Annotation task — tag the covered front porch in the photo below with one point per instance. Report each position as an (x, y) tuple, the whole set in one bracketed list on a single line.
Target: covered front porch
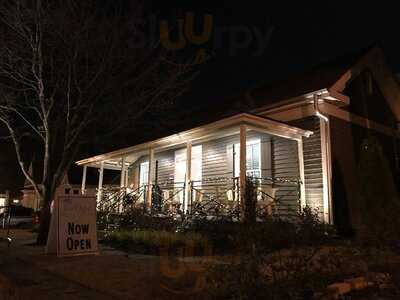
[(203, 171)]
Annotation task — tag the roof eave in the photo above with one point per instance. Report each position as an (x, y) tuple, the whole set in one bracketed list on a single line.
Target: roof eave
[(196, 133)]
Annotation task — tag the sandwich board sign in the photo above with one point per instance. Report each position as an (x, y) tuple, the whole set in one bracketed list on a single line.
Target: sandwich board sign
[(73, 228)]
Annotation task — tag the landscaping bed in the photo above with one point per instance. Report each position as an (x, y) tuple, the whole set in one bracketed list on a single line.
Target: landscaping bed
[(221, 237), (274, 259)]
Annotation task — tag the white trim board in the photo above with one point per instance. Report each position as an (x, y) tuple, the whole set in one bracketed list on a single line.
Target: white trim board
[(209, 130), (358, 120), (304, 110), (302, 175), (326, 170)]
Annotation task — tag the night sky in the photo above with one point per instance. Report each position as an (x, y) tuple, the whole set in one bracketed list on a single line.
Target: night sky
[(302, 35)]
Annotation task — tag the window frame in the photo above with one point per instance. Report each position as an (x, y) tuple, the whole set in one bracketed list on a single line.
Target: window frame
[(249, 172)]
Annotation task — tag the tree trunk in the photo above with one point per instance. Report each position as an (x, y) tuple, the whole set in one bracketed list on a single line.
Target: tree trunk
[(45, 217)]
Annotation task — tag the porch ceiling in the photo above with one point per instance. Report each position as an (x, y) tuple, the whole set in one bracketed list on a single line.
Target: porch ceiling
[(221, 128)]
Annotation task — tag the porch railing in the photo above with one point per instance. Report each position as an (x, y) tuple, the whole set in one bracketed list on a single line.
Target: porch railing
[(221, 197), (215, 197), (212, 198), (278, 196), (169, 198)]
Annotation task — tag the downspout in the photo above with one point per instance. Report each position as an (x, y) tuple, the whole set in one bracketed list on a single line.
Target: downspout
[(318, 113), (325, 136)]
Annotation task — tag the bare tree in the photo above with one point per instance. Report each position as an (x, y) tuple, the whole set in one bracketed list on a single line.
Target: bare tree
[(68, 73)]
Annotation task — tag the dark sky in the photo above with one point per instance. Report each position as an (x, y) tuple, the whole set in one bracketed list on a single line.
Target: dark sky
[(303, 34)]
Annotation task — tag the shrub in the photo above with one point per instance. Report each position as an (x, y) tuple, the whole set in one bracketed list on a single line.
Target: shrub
[(236, 281), (156, 199), (285, 274), (137, 219), (310, 230), (281, 276), (269, 235), (274, 234), (277, 259), (157, 242), (221, 234)]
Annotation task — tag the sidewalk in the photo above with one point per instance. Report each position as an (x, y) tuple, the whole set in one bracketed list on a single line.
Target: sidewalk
[(27, 273), (24, 281)]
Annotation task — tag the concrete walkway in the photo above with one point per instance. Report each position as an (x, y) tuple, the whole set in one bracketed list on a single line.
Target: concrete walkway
[(26, 273), (22, 280)]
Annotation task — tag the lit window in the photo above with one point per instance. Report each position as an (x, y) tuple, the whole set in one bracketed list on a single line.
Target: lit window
[(253, 163), (253, 159), (144, 173), (2, 204)]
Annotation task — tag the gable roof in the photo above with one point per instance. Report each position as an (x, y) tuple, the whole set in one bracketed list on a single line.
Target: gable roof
[(317, 78), (386, 80), (332, 76)]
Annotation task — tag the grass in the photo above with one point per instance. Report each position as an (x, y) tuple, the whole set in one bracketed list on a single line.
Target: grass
[(157, 242)]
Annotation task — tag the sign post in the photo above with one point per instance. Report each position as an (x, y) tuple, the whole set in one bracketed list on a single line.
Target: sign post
[(73, 228)]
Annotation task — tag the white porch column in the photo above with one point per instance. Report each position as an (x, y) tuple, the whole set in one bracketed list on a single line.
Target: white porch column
[(83, 188), (122, 183), (100, 187), (123, 173), (188, 175), (150, 177), (301, 171), (242, 166), (127, 178), (326, 170)]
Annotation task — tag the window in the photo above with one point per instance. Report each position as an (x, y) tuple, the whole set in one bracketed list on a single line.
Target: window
[(196, 166), (197, 160), (2, 204), (253, 159), (180, 168), (144, 173)]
